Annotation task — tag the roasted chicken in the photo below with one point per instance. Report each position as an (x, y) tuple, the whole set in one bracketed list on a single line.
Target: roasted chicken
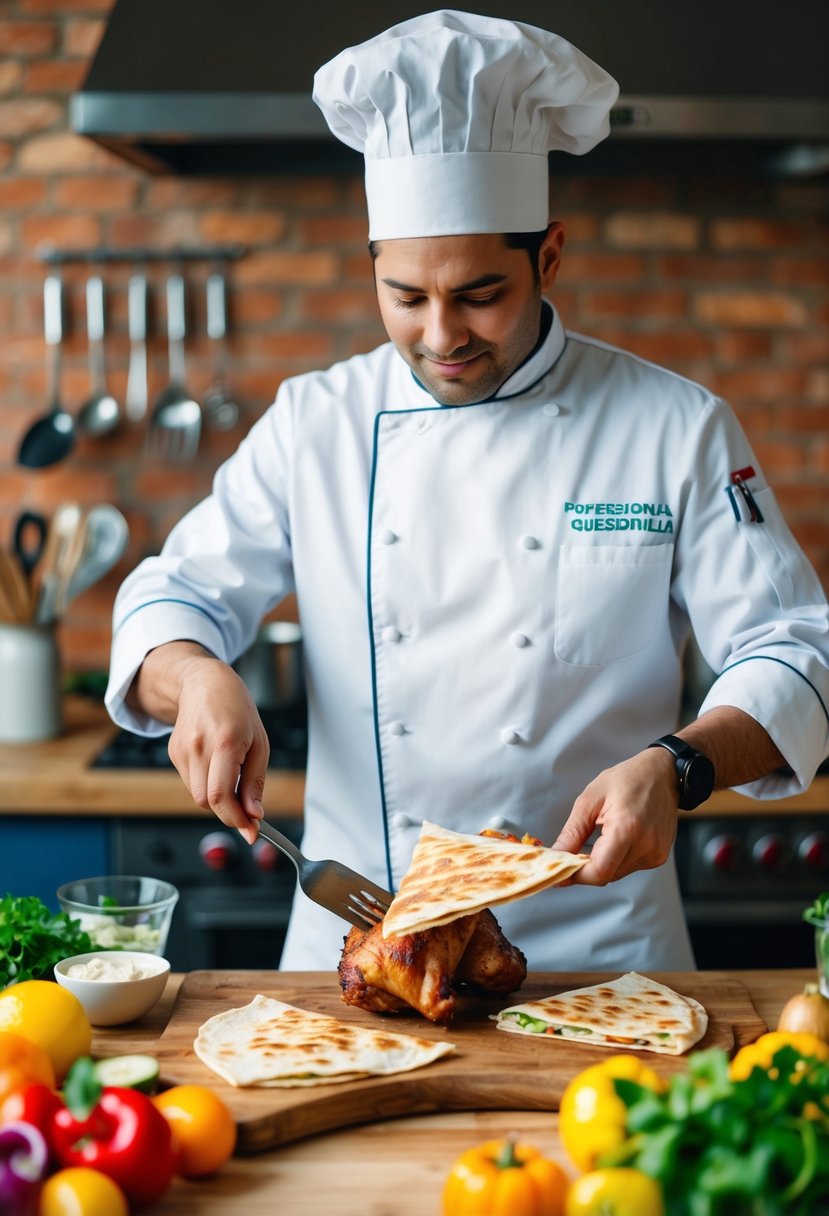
[(422, 971)]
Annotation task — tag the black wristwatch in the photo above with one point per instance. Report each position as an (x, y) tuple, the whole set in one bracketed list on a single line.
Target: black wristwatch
[(694, 771)]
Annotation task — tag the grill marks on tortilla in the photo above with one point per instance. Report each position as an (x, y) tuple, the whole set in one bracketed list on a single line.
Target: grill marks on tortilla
[(453, 874), (273, 1044), (631, 1010)]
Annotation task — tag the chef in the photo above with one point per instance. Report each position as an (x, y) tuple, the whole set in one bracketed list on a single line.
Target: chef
[(500, 534)]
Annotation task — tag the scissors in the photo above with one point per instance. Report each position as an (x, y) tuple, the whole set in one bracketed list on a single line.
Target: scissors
[(29, 539)]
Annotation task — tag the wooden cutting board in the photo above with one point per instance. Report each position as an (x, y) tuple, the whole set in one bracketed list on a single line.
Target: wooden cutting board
[(488, 1070)]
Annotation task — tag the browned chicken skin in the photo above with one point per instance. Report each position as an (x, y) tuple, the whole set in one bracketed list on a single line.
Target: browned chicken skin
[(490, 961), (420, 970)]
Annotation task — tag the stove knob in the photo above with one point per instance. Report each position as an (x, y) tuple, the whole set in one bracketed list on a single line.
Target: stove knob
[(265, 856), (768, 851), (721, 852), (814, 850), (217, 850)]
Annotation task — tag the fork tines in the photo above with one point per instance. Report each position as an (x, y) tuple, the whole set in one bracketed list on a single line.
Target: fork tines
[(367, 907)]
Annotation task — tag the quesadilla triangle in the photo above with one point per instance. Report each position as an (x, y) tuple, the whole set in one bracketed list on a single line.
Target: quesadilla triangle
[(631, 1011), (268, 1043), (453, 874)]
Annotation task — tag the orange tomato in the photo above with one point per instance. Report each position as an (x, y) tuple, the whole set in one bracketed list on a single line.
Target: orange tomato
[(204, 1132), (82, 1192), (22, 1061), (50, 1016)]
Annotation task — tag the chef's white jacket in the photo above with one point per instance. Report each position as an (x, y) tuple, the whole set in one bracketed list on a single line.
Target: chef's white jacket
[(495, 599)]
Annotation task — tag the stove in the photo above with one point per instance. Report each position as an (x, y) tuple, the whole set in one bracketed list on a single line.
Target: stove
[(745, 883), (286, 728), (234, 901)]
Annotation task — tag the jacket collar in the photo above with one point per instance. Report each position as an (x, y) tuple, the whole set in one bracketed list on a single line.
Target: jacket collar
[(536, 365)]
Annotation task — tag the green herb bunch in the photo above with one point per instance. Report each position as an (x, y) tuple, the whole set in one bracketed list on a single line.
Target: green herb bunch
[(818, 915), (758, 1146), (33, 938)]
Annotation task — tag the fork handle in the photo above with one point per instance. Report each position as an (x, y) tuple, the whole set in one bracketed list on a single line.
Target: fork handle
[(282, 843)]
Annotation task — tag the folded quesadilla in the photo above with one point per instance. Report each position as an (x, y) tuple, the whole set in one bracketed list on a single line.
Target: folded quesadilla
[(453, 874), (269, 1043), (632, 1011)]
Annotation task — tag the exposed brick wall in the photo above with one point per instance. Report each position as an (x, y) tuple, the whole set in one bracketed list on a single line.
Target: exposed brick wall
[(725, 280)]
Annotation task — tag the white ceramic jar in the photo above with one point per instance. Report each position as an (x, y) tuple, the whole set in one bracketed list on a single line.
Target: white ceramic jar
[(30, 693)]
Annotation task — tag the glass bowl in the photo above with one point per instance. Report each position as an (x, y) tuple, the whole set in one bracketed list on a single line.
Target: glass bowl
[(125, 912)]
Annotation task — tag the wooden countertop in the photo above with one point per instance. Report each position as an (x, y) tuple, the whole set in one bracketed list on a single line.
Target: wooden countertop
[(54, 778), (393, 1168)]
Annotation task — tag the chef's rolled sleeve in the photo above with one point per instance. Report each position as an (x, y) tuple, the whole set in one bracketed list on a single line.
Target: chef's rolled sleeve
[(148, 626), (793, 711), (223, 567)]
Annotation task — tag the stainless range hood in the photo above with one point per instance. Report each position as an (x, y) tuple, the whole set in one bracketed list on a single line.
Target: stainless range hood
[(224, 86)]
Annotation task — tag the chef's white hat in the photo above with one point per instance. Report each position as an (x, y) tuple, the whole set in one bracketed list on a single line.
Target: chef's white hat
[(455, 114)]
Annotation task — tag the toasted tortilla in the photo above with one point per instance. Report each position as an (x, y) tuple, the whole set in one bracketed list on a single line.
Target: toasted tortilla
[(268, 1043), (453, 874), (629, 1012)]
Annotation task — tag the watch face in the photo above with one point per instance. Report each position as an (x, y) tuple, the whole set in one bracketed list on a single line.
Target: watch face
[(697, 781)]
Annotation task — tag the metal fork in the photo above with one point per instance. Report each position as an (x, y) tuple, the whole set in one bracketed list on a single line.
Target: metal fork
[(332, 885)]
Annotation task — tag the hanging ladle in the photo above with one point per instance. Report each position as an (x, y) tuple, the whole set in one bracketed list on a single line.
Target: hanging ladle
[(101, 413), (52, 436)]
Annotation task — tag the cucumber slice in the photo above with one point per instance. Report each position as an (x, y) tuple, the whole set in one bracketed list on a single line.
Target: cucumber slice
[(129, 1072)]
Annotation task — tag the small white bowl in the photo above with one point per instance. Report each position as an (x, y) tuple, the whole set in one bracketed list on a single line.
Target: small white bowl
[(113, 1002)]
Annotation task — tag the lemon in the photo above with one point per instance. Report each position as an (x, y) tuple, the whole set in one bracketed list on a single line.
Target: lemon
[(48, 1015)]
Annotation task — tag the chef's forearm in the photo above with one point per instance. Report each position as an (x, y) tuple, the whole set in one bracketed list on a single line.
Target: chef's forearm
[(737, 745), (156, 689)]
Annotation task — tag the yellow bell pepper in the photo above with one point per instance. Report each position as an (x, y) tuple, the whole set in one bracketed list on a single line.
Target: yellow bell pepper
[(592, 1119), (501, 1178), (615, 1192), (759, 1054)]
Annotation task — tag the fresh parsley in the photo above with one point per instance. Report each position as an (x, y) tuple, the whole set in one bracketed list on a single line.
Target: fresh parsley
[(723, 1147), (33, 938)]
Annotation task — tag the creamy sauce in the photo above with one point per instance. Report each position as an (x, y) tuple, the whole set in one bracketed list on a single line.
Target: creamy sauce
[(111, 970)]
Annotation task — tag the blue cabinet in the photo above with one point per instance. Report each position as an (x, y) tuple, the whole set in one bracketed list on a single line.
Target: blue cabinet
[(38, 853)]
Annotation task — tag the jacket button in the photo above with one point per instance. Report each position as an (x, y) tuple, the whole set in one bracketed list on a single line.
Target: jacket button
[(390, 634), (400, 820), (519, 640), (510, 735), (397, 728), (530, 542), (387, 537), (499, 822), (551, 409)]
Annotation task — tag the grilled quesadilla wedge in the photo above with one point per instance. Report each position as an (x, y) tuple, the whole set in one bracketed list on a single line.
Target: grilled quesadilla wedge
[(268, 1043), (631, 1011), (453, 875)]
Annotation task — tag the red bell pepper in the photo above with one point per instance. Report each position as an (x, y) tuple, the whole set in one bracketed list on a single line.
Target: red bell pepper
[(116, 1131), (35, 1104)]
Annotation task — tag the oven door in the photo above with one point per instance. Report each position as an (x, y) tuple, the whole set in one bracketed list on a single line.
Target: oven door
[(745, 884), (234, 900)]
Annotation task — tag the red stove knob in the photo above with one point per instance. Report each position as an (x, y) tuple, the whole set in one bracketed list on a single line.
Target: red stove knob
[(265, 856), (814, 850), (722, 852), (769, 850), (217, 850)]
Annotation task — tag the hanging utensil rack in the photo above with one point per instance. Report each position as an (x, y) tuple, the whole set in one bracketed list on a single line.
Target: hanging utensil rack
[(53, 255)]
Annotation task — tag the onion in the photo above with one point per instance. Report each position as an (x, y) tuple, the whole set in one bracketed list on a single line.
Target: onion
[(807, 1011), (23, 1163)]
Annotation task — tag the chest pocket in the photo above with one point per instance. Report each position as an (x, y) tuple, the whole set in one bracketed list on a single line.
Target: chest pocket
[(610, 600)]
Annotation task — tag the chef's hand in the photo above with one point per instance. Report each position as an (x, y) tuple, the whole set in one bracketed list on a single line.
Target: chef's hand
[(218, 744), (635, 804)]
